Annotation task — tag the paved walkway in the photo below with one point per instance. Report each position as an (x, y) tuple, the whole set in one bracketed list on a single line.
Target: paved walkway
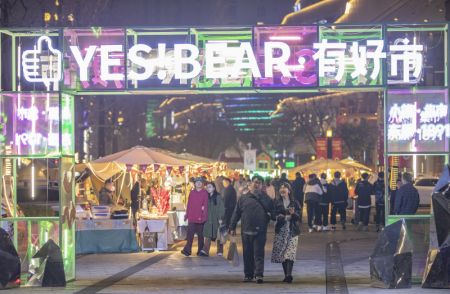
[(170, 272)]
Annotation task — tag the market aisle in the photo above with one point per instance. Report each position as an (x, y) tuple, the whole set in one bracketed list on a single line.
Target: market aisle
[(170, 272)]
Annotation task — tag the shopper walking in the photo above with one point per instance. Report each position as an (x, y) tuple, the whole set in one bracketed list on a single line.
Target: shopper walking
[(338, 193), (229, 200), (216, 211), (407, 199), (287, 230), (196, 215), (379, 191), (254, 209), (324, 205), (363, 191), (297, 189), (313, 193)]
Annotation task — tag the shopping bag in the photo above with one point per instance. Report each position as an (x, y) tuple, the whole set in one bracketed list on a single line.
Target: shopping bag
[(222, 234), (180, 234), (232, 254)]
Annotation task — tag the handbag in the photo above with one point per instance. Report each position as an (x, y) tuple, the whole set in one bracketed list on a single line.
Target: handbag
[(232, 255), (279, 224)]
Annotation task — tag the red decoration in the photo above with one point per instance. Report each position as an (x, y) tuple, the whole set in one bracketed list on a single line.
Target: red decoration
[(336, 147), (156, 167), (161, 198), (181, 169), (321, 148)]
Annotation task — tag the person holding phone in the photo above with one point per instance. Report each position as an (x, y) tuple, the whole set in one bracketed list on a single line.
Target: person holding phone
[(287, 230)]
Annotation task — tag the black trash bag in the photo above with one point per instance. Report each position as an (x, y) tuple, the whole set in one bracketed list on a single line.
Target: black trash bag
[(391, 260), (51, 265), (9, 262), (437, 269)]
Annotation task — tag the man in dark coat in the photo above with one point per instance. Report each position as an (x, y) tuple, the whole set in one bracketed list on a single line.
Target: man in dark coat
[(297, 188), (379, 191), (407, 199), (338, 193), (364, 189), (229, 200), (255, 209)]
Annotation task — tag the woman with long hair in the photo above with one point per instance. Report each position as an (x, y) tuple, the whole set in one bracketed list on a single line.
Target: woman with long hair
[(216, 211), (287, 229)]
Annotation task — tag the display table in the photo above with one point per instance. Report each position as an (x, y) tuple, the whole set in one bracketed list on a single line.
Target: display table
[(105, 236), (156, 232)]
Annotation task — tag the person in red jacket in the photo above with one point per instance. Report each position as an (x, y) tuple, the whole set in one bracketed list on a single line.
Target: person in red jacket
[(196, 215)]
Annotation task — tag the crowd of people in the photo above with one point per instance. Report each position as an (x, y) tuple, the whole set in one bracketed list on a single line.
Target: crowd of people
[(222, 204)]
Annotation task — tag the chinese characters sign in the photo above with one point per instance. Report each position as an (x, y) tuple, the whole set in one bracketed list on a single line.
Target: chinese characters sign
[(96, 59), (417, 121), (350, 56), (31, 123)]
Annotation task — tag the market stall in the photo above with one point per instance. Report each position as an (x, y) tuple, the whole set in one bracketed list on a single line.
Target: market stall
[(151, 187)]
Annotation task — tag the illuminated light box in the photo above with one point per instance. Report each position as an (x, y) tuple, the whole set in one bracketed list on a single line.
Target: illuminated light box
[(31, 124), (350, 56), (152, 63), (218, 56), (298, 68), (417, 121), (40, 62), (417, 55), (94, 59)]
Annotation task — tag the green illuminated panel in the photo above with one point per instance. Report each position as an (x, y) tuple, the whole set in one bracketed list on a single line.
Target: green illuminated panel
[(351, 35), (67, 124), (290, 164), (233, 39)]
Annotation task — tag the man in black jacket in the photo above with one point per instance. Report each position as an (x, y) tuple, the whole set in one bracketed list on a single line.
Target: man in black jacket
[(338, 194), (364, 189), (229, 200), (297, 188), (255, 209), (407, 200), (378, 189)]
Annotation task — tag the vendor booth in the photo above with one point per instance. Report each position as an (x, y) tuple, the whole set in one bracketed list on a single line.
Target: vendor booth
[(149, 192)]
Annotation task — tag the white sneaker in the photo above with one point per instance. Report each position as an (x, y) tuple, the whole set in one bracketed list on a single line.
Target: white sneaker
[(319, 228), (219, 254), (314, 227), (325, 228), (310, 230)]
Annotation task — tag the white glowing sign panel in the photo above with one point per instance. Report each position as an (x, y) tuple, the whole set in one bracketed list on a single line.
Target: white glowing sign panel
[(39, 65), (418, 121), (220, 60)]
